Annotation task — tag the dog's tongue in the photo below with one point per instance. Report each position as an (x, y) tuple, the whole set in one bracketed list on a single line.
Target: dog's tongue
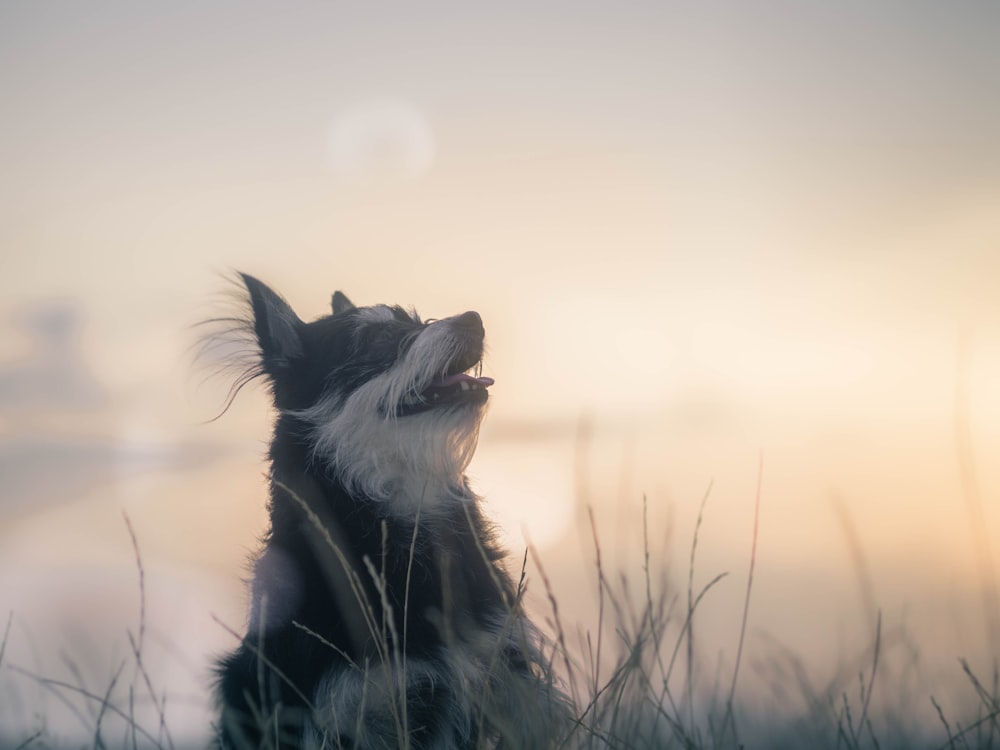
[(463, 377)]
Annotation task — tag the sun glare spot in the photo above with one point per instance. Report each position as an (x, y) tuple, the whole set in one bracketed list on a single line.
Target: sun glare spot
[(532, 504), (380, 138)]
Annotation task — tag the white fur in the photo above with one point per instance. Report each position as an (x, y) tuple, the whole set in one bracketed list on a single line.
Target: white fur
[(367, 706), (417, 460)]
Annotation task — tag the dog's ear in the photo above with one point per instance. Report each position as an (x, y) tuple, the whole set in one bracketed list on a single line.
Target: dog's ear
[(340, 303), (275, 324)]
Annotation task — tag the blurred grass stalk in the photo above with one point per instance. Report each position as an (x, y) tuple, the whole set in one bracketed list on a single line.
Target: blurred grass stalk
[(623, 672)]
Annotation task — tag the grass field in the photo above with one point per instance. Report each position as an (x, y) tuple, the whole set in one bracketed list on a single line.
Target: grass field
[(635, 673)]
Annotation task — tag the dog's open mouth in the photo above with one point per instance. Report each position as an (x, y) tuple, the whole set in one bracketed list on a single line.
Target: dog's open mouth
[(450, 390)]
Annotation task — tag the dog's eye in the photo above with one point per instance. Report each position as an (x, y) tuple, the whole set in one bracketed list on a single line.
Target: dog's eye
[(378, 335), (378, 342)]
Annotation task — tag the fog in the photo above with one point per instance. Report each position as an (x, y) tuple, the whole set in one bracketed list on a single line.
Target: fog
[(711, 247)]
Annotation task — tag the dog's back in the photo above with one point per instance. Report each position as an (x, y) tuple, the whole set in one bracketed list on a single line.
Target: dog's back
[(381, 616)]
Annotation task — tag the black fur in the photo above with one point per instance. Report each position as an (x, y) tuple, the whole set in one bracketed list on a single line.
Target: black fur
[(381, 615)]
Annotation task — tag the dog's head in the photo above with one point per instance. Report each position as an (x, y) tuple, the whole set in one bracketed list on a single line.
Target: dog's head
[(388, 400)]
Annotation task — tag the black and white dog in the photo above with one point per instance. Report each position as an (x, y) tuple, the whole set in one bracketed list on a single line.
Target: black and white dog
[(381, 616)]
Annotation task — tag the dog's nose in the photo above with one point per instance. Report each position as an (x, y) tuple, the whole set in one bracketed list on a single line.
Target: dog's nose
[(471, 322)]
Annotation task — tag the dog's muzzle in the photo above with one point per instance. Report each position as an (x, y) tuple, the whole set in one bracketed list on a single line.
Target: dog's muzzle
[(456, 387)]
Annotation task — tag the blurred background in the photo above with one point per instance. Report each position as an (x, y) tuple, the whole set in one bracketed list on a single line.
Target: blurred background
[(704, 239)]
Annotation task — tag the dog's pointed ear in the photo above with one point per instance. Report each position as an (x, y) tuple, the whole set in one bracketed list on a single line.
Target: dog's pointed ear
[(275, 323), (340, 303)]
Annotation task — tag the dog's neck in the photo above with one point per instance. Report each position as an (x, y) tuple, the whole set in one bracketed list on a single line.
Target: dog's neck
[(413, 494), (405, 488), (409, 472)]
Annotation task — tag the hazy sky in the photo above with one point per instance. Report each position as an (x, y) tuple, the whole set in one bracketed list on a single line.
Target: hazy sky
[(707, 230)]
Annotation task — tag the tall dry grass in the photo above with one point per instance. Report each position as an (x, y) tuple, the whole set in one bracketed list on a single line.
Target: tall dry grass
[(629, 673)]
